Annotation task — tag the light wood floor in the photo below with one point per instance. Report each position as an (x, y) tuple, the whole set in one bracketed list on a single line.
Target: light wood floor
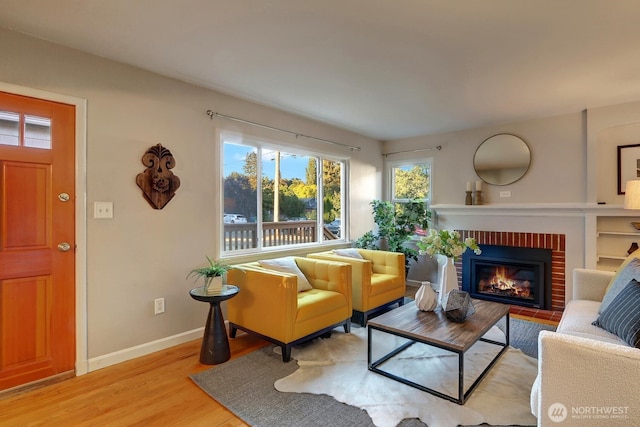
[(153, 390)]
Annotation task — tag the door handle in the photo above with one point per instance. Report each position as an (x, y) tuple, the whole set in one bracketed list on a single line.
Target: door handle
[(64, 247)]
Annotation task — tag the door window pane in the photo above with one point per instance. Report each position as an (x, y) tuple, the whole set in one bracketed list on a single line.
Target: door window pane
[(37, 132), (9, 128)]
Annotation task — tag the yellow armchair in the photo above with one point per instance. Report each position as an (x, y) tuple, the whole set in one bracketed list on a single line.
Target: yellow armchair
[(378, 280), (269, 304)]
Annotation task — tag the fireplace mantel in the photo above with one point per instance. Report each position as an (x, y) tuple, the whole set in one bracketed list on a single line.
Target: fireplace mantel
[(537, 209), (584, 224)]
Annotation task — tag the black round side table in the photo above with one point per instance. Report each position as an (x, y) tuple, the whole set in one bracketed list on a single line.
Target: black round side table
[(215, 344)]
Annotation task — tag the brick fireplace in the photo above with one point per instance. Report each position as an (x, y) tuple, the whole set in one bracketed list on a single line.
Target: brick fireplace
[(554, 242)]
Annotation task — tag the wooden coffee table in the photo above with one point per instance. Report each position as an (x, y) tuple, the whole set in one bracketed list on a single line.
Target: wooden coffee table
[(433, 328)]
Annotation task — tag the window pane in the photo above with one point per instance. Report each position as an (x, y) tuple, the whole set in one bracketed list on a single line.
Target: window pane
[(411, 182), (37, 132), (9, 128), (240, 197), (332, 203), (289, 198)]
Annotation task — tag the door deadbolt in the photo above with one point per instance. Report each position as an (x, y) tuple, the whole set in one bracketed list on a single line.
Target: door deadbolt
[(64, 197)]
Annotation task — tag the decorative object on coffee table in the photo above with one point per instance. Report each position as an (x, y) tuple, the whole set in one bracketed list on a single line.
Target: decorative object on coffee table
[(457, 305), (426, 298)]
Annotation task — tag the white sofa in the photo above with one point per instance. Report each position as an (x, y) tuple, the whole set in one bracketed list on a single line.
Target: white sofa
[(586, 375)]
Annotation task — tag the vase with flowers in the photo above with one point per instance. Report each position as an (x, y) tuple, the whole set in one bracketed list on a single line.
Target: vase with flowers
[(446, 245)]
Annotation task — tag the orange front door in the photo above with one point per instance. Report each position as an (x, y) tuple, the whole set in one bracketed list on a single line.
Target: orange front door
[(37, 239)]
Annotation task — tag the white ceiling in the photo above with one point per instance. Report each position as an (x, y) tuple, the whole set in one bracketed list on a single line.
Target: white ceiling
[(385, 69)]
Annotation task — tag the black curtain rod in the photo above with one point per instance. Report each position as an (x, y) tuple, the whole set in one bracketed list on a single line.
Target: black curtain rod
[(211, 114)]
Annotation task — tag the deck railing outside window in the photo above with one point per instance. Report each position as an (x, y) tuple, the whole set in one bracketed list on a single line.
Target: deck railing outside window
[(245, 236)]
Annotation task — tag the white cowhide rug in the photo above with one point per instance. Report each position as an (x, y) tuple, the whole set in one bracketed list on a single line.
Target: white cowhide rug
[(338, 367)]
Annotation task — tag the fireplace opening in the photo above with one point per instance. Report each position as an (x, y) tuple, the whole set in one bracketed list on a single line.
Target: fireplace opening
[(512, 275)]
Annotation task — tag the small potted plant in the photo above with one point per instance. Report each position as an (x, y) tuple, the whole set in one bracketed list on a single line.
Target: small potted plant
[(212, 275)]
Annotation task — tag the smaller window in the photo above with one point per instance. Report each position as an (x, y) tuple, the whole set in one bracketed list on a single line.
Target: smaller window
[(410, 181)]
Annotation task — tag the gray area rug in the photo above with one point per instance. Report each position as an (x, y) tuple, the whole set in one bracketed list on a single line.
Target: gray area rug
[(245, 387), (524, 335)]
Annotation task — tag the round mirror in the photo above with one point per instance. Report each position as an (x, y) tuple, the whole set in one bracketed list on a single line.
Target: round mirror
[(502, 159)]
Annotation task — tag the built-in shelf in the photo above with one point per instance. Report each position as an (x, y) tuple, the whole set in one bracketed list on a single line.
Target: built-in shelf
[(618, 233), (614, 236), (605, 256)]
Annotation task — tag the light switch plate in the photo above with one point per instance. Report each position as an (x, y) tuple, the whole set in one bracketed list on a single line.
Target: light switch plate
[(103, 210)]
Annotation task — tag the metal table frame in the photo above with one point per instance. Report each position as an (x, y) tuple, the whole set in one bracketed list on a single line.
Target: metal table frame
[(462, 395)]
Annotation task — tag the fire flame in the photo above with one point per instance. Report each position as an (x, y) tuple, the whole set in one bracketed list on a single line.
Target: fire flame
[(501, 282)]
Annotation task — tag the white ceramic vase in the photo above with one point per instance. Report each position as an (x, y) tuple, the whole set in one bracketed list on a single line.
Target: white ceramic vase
[(447, 275), (215, 285), (426, 298)]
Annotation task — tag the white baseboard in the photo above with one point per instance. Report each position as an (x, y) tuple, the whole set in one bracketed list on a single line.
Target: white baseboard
[(143, 349)]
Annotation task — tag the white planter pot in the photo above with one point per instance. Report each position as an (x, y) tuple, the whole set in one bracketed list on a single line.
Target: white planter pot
[(215, 285)]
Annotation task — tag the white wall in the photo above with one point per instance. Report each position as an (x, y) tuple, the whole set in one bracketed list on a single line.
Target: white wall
[(143, 254), (556, 175)]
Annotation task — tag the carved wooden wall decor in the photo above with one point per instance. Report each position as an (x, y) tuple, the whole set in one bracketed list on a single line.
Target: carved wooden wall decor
[(157, 182)]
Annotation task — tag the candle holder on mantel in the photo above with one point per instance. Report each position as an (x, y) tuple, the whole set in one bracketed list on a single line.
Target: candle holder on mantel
[(477, 197), (468, 200)]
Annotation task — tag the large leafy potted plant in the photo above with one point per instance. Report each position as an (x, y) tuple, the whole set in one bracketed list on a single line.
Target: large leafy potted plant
[(211, 275), (396, 226)]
